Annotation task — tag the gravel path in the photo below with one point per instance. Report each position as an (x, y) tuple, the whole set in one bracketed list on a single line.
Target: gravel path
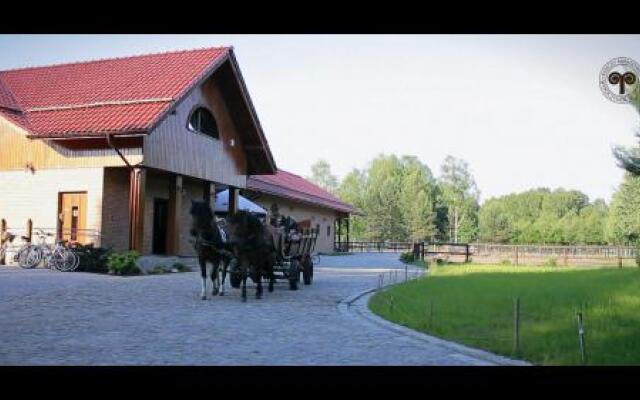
[(53, 318)]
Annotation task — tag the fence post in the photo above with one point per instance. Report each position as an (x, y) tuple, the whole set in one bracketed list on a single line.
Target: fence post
[(516, 326), (581, 340), (422, 251), (466, 257), (566, 257), (29, 230), (619, 257), (516, 255)]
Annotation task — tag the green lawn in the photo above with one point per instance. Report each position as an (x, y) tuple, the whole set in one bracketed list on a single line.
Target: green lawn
[(474, 305)]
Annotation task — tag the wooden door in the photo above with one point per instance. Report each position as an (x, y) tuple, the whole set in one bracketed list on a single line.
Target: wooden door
[(72, 215)]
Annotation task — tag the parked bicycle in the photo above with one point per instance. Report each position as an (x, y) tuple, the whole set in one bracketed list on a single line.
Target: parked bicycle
[(58, 256)]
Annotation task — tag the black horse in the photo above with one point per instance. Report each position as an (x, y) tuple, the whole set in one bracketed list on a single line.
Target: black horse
[(254, 246), (210, 246)]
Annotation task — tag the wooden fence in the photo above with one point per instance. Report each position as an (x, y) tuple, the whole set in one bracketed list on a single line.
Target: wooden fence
[(487, 253)]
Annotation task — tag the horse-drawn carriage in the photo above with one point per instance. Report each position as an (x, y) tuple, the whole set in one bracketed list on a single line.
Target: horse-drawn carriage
[(294, 260)]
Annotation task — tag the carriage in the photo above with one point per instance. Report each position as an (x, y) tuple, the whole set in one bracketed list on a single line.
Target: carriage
[(295, 260)]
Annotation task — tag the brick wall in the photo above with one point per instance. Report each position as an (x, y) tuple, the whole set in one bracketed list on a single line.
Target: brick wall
[(115, 209)]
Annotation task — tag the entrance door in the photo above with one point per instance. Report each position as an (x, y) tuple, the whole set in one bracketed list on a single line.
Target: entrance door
[(160, 225), (72, 215)]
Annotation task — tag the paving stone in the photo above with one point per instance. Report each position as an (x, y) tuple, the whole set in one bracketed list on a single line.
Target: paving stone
[(54, 318)]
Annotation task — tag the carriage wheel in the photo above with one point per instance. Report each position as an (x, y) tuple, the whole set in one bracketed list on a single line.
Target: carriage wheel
[(307, 272), (294, 275)]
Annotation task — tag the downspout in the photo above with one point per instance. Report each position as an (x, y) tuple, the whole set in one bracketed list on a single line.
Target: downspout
[(108, 137), (133, 190)]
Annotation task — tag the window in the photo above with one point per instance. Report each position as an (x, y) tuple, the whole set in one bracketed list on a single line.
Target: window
[(202, 121), (328, 230)]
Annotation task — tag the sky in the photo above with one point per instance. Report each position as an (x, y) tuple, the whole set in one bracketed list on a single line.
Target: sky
[(524, 111)]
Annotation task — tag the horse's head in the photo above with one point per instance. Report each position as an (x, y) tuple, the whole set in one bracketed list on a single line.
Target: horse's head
[(201, 214), (243, 227)]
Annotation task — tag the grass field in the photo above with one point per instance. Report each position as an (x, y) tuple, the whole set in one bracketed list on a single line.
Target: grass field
[(474, 305)]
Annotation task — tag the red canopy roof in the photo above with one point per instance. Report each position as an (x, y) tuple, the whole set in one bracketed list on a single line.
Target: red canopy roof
[(286, 184), (119, 95)]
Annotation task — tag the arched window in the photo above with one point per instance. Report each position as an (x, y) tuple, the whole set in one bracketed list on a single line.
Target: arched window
[(201, 120)]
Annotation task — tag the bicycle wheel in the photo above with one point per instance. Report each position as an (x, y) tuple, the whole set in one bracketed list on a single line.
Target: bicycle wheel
[(63, 260), (29, 256)]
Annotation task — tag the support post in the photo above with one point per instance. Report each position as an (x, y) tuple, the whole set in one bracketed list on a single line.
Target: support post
[(233, 200), (175, 211), (347, 246), (137, 185), (340, 234)]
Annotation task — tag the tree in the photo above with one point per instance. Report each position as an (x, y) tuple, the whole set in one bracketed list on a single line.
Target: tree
[(624, 215), (629, 159), (385, 217), (460, 194), (352, 190), (321, 175), (542, 216), (417, 198)]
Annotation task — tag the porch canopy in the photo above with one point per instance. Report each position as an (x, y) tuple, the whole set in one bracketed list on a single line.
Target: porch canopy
[(222, 204)]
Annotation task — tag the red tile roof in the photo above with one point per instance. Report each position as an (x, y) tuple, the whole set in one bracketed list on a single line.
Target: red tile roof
[(286, 184), (118, 95)]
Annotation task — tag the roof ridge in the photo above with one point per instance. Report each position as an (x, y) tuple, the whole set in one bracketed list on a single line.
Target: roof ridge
[(97, 60), (102, 103)]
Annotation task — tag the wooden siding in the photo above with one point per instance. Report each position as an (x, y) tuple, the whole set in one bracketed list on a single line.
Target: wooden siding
[(172, 147), (18, 151)]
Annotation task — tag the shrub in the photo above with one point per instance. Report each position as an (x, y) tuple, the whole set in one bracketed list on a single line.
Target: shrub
[(123, 263), (506, 261), (407, 257), (92, 259), (638, 254), (551, 262)]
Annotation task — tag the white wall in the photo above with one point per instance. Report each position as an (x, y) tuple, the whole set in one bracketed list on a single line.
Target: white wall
[(25, 195)]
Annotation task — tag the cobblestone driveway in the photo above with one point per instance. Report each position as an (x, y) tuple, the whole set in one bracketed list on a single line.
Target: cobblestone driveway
[(54, 318)]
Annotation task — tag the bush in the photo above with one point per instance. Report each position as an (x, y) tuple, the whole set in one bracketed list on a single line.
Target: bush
[(638, 254), (506, 261), (407, 257), (551, 262), (123, 263), (92, 259)]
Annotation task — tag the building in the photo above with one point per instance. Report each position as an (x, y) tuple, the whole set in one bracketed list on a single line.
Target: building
[(112, 151), (302, 200)]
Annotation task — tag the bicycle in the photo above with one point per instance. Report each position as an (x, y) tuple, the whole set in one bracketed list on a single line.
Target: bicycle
[(58, 256), (28, 255)]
